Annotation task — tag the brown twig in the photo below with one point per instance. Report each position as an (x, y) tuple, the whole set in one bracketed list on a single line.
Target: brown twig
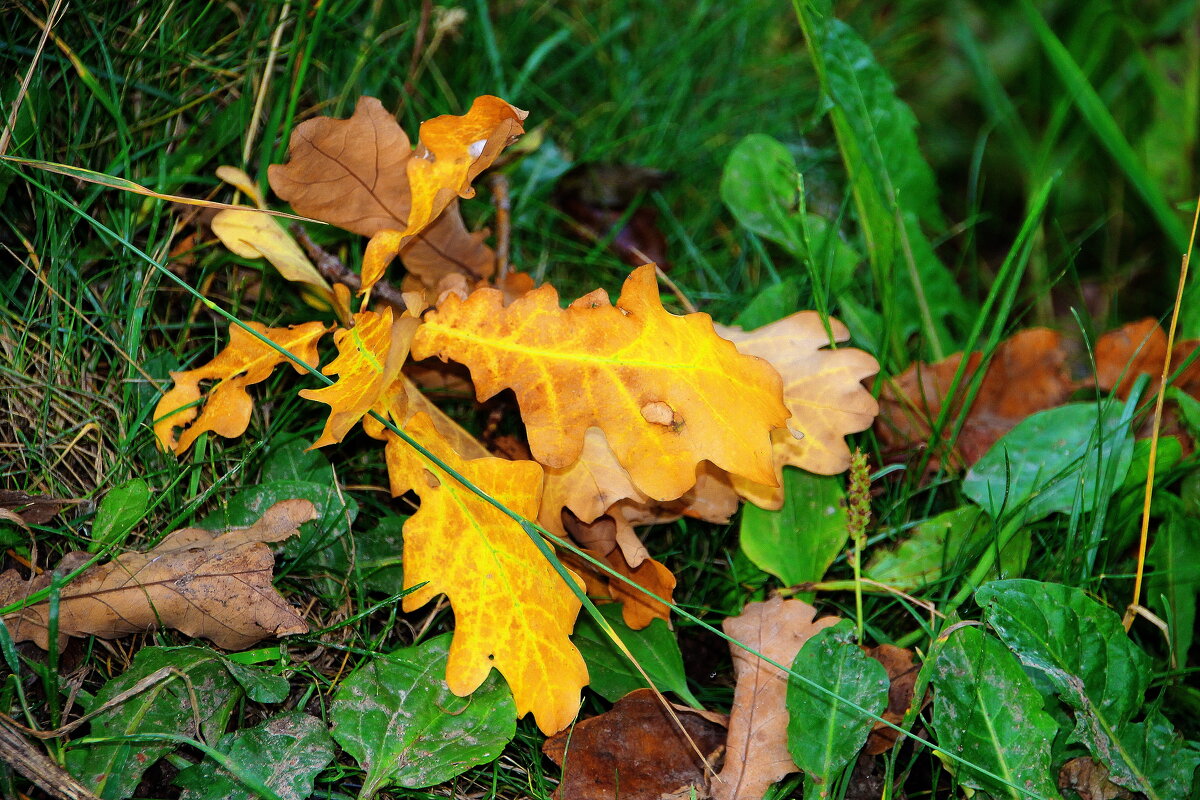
[(414, 63), (332, 269), (503, 202)]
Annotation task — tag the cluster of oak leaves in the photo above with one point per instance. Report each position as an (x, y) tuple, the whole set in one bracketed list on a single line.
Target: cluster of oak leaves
[(633, 416)]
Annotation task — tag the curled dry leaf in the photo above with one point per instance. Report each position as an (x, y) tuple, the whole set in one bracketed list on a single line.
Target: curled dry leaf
[(823, 392), (756, 755), (32, 509), (363, 175), (1087, 777), (615, 368), (511, 609), (211, 585), (636, 751), (246, 360), (1028, 373)]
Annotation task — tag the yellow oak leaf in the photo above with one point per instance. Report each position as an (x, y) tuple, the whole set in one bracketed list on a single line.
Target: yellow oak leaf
[(245, 361), (666, 391), (822, 389), (370, 356), (511, 609), (363, 175)]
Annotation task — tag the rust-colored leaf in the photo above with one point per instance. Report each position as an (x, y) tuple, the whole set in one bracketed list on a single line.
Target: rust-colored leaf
[(902, 673), (606, 542), (822, 389), (33, 509), (666, 391), (362, 174), (368, 364), (245, 361), (756, 755), (212, 585), (1028, 373), (1140, 348), (1088, 778), (511, 609), (636, 751)]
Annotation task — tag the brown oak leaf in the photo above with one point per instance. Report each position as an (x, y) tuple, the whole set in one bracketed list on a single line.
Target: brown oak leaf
[(211, 585), (902, 673), (636, 751)]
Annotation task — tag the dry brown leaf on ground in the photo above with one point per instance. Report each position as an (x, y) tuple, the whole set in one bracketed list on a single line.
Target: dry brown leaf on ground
[(1088, 778), (1028, 373), (902, 673), (1140, 348), (636, 751), (33, 509), (822, 389), (211, 585), (756, 754)]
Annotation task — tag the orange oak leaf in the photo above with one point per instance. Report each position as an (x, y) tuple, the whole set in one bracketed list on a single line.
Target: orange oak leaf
[(1028, 373), (756, 755), (369, 359), (1140, 348), (246, 360), (214, 585), (666, 391), (362, 174), (822, 389), (511, 609)]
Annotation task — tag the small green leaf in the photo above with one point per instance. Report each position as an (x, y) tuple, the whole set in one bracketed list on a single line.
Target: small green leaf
[(1053, 458), (772, 303), (1167, 760), (119, 512), (823, 733), (285, 753), (291, 460), (798, 542), (655, 648), (193, 684), (1174, 582), (398, 719), (259, 685), (761, 187), (988, 712)]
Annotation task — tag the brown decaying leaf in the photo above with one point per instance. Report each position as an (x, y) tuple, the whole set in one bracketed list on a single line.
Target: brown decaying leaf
[(902, 673), (822, 389), (33, 509), (245, 361), (1088, 778), (598, 196), (1028, 373), (636, 751), (756, 754), (1140, 348), (211, 585)]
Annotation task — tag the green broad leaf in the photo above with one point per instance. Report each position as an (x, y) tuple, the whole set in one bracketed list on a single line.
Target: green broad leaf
[(291, 460), (285, 753), (824, 735), (377, 564), (987, 711), (940, 544), (1081, 648), (1068, 458), (260, 686), (772, 303), (1173, 582), (1167, 760), (655, 648), (188, 684), (1168, 455), (892, 184), (403, 726), (798, 542), (763, 190), (119, 512)]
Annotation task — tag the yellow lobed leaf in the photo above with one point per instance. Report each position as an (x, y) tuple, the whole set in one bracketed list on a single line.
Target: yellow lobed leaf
[(255, 234), (666, 391), (822, 389), (511, 609), (370, 355), (214, 585), (226, 409)]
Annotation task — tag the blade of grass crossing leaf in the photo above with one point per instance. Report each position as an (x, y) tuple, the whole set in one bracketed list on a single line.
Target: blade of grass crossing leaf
[(534, 531), (1106, 129)]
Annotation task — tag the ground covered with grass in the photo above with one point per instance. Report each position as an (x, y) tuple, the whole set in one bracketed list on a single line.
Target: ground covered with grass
[(943, 178)]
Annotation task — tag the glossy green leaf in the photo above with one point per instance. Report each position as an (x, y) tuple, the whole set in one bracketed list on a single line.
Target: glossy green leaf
[(291, 460), (1173, 581), (772, 303), (798, 542), (285, 753), (1065, 458), (987, 711), (655, 648), (823, 733), (403, 726), (189, 683), (119, 512), (260, 686), (1166, 759), (1081, 648), (762, 188)]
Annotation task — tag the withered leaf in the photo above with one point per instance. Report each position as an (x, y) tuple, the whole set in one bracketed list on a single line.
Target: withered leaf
[(1088, 778), (757, 754), (1140, 348), (1028, 373), (215, 586), (32, 509), (902, 673), (634, 752)]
